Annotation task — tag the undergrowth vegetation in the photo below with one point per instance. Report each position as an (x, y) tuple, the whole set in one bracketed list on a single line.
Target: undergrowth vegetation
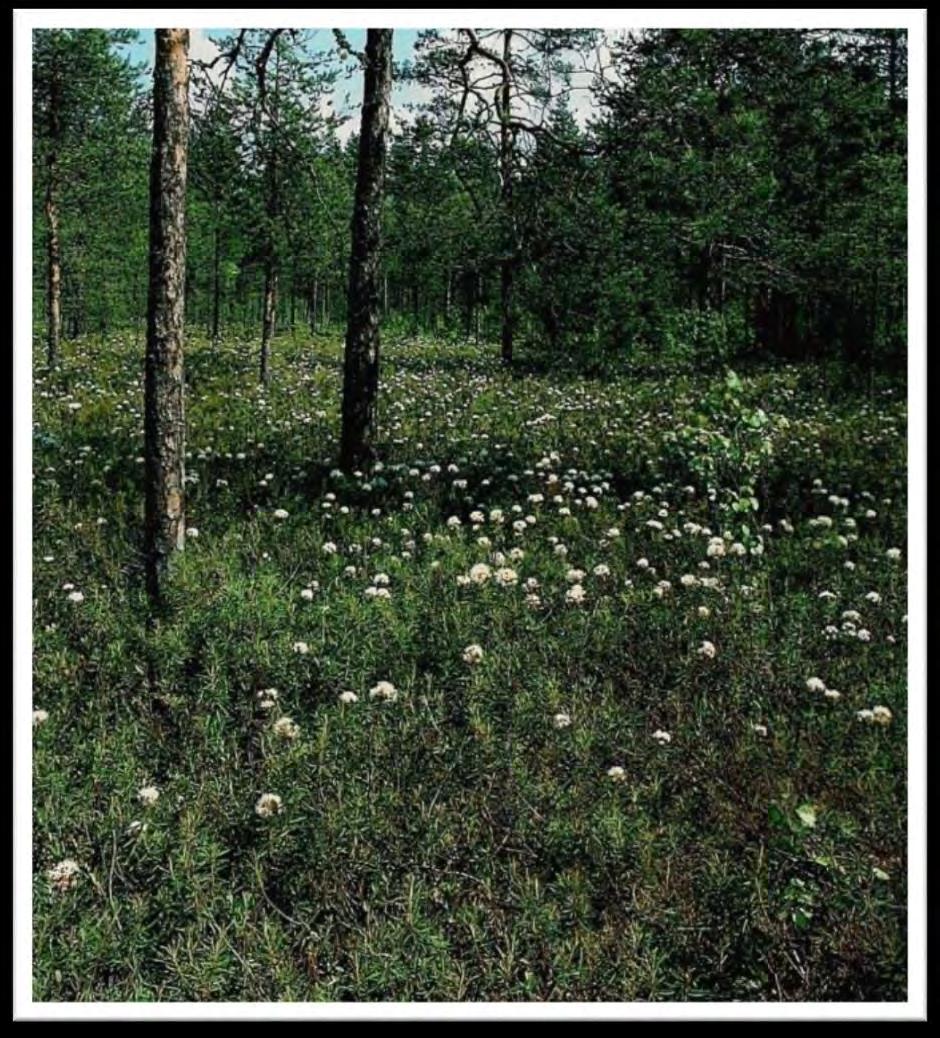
[(589, 690)]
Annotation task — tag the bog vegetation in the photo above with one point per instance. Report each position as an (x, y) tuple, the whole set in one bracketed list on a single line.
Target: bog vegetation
[(505, 598)]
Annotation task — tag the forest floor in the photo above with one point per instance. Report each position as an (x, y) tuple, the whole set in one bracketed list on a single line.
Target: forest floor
[(592, 690)]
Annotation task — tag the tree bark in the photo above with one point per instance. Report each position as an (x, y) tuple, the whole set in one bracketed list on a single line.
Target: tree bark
[(463, 282), (268, 317), (272, 209), (51, 211), (216, 282), (54, 278), (361, 362), (507, 263), (163, 382)]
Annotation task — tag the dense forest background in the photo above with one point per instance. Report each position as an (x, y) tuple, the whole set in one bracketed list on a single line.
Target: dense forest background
[(735, 191)]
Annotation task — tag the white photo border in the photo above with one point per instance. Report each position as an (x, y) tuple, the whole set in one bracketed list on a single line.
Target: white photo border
[(914, 21)]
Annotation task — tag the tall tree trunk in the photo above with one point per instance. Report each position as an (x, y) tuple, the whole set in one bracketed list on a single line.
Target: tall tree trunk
[(507, 264), (51, 211), (216, 283), (54, 278), (361, 362), (268, 317), (313, 307), (272, 207), (164, 426), (464, 283)]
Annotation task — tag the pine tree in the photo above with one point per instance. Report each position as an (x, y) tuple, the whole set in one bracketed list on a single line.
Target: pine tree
[(164, 426), (361, 366)]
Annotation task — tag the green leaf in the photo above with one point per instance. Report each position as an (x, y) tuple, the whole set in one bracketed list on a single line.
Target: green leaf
[(757, 418), (807, 815), (801, 918)]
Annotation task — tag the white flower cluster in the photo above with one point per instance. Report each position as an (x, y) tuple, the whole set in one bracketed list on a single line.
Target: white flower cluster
[(815, 684), (877, 715), (384, 691), (268, 804), (64, 875), (473, 654)]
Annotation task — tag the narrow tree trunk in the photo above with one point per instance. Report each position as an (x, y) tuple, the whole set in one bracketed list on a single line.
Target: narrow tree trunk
[(506, 309), (51, 210), (163, 384), (54, 279), (464, 283), (216, 284), (361, 362), (272, 207), (507, 264), (268, 318), (313, 307)]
